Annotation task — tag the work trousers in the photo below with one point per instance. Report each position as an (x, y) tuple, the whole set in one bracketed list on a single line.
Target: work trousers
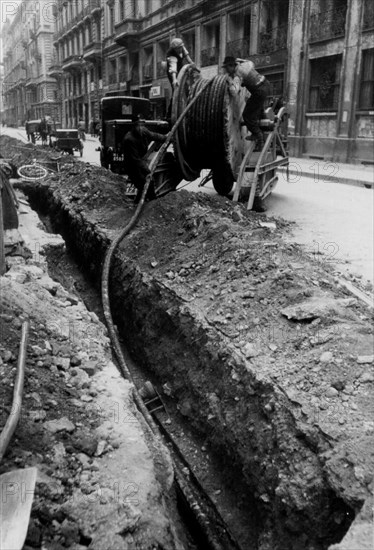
[(138, 174), (253, 108)]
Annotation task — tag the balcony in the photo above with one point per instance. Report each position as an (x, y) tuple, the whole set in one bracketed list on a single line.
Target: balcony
[(93, 7), (92, 52), (72, 63), (273, 40), (327, 25), (30, 82), (210, 56), (55, 70), (238, 48), (127, 32)]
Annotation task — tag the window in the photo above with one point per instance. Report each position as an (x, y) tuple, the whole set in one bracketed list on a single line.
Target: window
[(111, 21), (368, 15), (324, 83), (276, 86), (122, 10), (210, 54), (328, 20), (366, 100)]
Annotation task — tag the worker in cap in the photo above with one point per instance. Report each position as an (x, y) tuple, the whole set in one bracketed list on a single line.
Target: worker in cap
[(244, 72), (176, 57), (134, 147)]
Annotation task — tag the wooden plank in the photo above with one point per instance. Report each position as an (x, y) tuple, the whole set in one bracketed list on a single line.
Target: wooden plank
[(368, 300), (263, 193), (271, 165)]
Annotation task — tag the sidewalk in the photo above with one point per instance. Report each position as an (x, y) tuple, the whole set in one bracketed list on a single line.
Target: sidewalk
[(329, 171)]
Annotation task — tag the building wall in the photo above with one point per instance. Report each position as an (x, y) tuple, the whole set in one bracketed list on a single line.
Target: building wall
[(314, 52), (78, 59), (324, 35), (28, 90)]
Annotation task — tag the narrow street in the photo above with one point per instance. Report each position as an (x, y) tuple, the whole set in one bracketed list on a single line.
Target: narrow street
[(334, 222)]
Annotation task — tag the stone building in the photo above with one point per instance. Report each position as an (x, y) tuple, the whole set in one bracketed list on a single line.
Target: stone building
[(28, 90), (121, 44), (78, 60), (331, 79), (317, 54)]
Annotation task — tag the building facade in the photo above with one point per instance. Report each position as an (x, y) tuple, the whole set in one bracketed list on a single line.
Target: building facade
[(331, 80), (28, 91), (317, 54), (78, 60)]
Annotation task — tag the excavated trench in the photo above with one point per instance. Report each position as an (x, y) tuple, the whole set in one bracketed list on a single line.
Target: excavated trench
[(296, 474)]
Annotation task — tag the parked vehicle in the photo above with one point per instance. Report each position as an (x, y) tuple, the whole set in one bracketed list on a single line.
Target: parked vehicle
[(68, 141)]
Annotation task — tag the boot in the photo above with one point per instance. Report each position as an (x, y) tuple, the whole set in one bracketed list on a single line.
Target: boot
[(259, 145)]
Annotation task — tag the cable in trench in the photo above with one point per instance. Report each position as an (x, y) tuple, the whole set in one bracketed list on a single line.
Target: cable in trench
[(200, 517), (125, 371)]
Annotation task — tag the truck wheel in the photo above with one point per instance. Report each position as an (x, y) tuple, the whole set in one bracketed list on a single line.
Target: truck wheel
[(223, 180)]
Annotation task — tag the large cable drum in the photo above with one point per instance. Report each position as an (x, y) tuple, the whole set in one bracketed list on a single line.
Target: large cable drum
[(210, 135)]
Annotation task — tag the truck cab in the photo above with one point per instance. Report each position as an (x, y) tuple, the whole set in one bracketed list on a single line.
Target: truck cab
[(117, 114)]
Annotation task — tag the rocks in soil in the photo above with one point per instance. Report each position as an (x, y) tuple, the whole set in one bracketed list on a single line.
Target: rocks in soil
[(60, 425), (365, 359)]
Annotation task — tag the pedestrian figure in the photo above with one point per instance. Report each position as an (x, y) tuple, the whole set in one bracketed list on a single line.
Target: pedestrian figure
[(27, 130), (135, 146), (43, 130), (244, 72), (96, 128), (81, 130)]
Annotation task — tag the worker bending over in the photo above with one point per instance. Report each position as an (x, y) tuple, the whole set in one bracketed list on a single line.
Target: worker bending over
[(243, 73), (135, 146)]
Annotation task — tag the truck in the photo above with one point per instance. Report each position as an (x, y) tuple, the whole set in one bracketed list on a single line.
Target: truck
[(117, 114)]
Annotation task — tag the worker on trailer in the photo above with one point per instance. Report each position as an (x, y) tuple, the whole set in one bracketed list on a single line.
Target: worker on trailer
[(176, 56), (243, 73), (134, 147)]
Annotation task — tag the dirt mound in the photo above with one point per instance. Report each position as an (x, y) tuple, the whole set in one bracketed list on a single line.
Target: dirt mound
[(264, 351)]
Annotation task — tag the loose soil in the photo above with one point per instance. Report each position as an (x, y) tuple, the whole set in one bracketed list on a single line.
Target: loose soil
[(265, 354)]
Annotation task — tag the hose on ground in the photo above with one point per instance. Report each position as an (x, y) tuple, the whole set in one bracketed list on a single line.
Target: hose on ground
[(13, 418)]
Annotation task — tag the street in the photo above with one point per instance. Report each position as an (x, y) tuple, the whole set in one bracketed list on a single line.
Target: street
[(333, 221)]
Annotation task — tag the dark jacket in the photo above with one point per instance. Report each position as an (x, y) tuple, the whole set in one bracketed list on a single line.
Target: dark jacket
[(135, 146)]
